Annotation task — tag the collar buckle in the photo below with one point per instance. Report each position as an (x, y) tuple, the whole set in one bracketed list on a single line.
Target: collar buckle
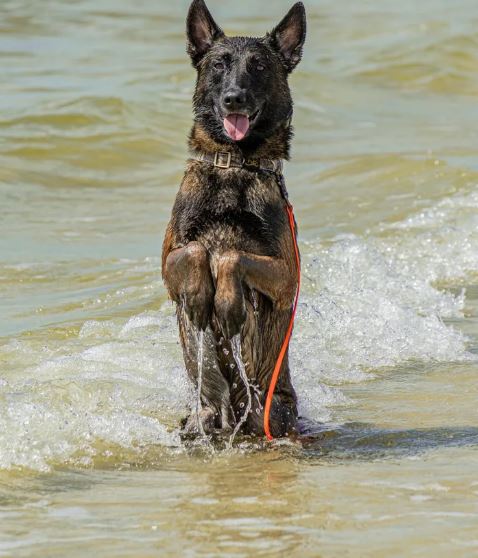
[(278, 166), (222, 159)]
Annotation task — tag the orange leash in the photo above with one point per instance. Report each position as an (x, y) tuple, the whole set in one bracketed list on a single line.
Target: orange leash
[(285, 344)]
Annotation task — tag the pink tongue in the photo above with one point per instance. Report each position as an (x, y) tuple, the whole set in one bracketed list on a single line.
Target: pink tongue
[(236, 126)]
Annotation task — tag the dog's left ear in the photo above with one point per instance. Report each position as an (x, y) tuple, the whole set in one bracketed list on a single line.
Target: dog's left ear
[(201, 30), (289, 36)]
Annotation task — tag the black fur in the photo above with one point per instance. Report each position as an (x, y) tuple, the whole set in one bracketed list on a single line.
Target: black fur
[(228, 256), (229, 205)]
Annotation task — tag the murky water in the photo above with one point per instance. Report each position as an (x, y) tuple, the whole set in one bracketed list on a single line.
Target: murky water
[(94, 111)]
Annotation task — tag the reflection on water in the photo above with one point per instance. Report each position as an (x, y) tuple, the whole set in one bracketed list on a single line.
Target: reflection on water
[(94, 112)]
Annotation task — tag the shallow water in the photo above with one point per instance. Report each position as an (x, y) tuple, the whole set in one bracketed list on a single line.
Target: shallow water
[(94, 111)]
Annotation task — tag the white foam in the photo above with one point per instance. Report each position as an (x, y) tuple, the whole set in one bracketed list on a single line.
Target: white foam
[(360, 311), (372, 302), (439, 243), (130, 391)]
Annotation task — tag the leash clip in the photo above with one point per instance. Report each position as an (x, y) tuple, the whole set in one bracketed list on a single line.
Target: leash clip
[(222, 159)]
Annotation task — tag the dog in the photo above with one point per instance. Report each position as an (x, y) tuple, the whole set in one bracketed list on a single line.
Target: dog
[(228, 253)]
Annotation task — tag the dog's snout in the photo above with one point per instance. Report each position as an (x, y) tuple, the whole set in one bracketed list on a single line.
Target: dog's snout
[(234, 99)]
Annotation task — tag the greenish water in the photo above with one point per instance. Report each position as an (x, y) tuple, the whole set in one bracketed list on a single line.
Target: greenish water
[(94, 112)]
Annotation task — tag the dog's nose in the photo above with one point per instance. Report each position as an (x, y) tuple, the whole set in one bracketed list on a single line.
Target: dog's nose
[(234, 99)]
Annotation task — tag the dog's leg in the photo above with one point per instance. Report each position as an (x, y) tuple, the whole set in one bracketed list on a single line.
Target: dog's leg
[(282, 419), (187, 275), (214, 397), (272, 277), (283, 416), (276, 280)]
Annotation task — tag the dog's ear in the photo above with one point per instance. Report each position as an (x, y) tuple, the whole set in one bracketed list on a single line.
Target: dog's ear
[(289, 36), (201, 30)]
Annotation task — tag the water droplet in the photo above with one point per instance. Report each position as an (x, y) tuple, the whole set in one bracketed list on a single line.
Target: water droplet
[(234, 385), (241, 405), (258, 411)]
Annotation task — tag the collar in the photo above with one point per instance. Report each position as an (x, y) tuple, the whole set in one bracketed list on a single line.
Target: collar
[(227, 160)]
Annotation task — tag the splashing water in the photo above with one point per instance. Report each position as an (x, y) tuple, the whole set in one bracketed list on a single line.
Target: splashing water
[(370, 307), (200, 369), (236, 351)]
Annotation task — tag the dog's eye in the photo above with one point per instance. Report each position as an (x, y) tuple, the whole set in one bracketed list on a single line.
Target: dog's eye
[(219, 66), (261, 67)]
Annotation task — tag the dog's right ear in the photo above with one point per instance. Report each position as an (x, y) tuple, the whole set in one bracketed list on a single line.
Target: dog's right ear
[(201, 30)]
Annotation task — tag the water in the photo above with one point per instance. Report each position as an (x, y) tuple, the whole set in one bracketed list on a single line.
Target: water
[(94, 111), (200, 361), (236, 351)]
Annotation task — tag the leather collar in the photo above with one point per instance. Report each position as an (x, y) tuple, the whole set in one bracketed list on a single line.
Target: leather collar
[(227, 160)]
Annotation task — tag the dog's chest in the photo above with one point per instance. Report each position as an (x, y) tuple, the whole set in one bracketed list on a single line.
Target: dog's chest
[(242, 212)]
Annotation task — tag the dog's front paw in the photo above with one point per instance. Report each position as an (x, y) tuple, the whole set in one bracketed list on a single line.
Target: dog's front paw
[(198, 290), (198, 300), (196, 423), (230, 313), (229, 303)]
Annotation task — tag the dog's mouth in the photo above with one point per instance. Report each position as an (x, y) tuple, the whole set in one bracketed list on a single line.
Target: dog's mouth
[(237, 125)]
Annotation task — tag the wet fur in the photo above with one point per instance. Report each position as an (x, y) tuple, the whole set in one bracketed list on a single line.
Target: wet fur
[(228, 256)]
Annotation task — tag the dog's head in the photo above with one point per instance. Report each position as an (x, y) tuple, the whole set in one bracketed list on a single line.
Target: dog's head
[(242, 93)]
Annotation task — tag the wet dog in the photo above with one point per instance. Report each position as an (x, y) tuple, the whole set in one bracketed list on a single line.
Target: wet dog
[(228, 254)]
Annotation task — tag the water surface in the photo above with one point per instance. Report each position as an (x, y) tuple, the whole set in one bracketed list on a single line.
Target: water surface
[(94, 112)]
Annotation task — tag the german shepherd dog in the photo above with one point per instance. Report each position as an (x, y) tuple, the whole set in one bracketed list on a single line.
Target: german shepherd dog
[(228, 254)]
